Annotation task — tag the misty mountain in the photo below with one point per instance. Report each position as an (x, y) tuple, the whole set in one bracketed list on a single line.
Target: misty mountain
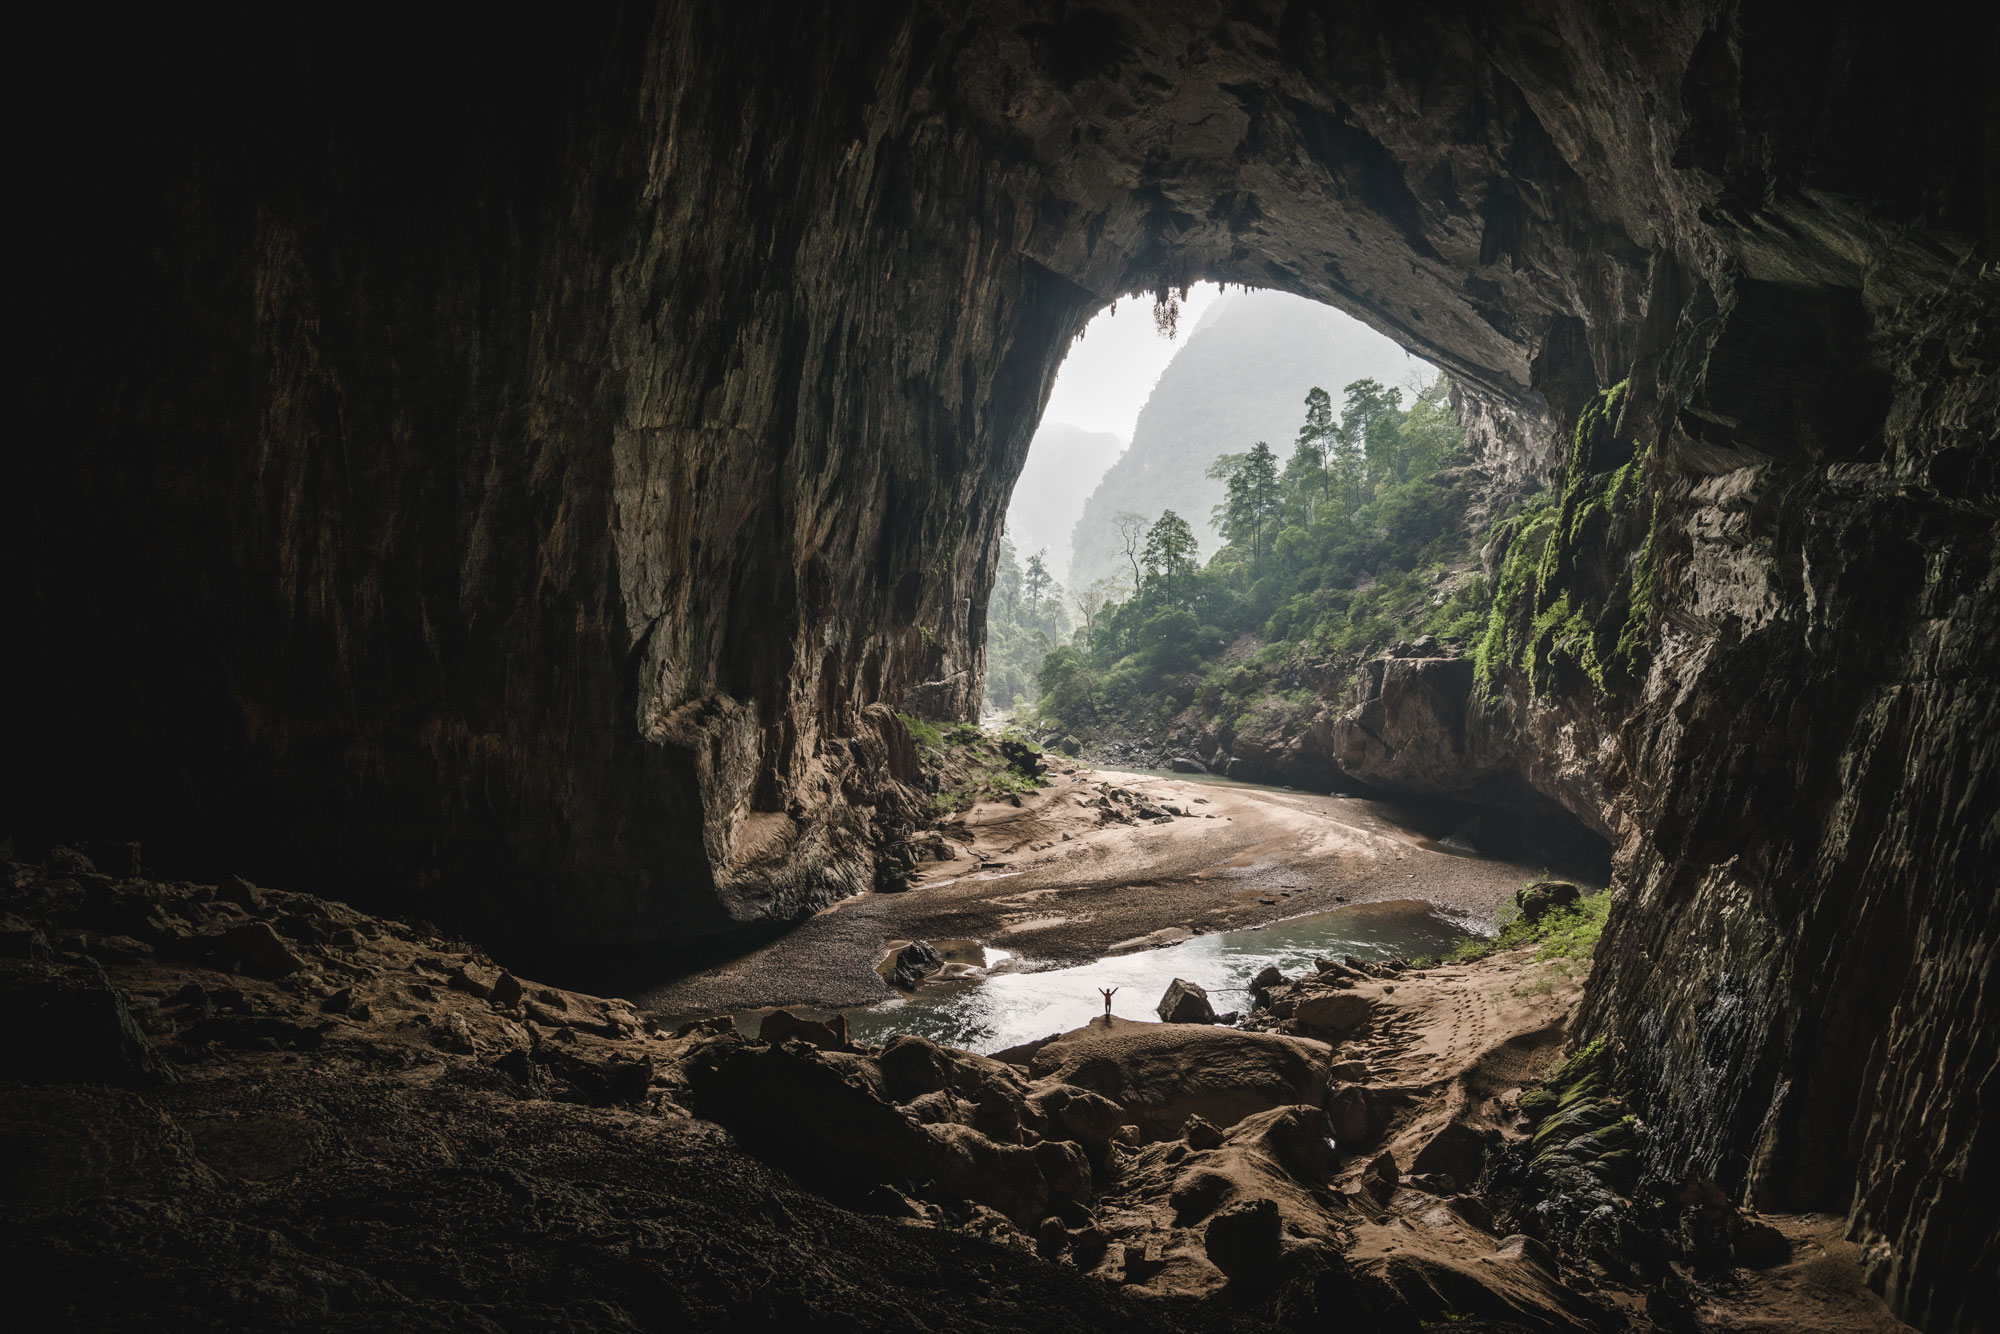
[(1241, 377), (1065, 464)]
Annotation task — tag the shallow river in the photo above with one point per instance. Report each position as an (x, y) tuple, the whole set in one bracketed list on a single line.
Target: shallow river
[(1012, 1005)]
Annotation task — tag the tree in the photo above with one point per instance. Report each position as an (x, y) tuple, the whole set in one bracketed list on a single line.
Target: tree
[(1431, 434), (1308, 462), (1368, 424), (1090, 602), (1170, 551), (1132, 535), (1255, 501), (1035, 583)]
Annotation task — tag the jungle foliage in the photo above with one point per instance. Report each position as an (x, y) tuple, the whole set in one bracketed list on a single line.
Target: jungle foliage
[(1026, 617), (1355, 538)]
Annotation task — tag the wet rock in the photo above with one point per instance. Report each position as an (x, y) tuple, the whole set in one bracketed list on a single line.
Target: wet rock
[(1185, 1003), (1186, 764), (1166, 935), (913, 963), (784, 1026), (1268, 979)]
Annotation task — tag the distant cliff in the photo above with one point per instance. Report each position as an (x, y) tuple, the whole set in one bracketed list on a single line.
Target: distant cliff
[(1241, 377), (1065, 464)]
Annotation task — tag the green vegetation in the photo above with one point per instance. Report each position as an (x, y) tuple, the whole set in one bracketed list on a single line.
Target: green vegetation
[(1582, 1120), (967, 764), (1358, 541), (1545, 622), (1560, 933), (1238, 378), (1025, 618)]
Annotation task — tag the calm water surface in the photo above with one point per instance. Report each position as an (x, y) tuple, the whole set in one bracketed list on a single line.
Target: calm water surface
[(1012, 1004)]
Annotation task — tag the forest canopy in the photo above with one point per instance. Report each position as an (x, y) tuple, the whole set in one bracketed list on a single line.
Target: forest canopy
[(1351, 537)]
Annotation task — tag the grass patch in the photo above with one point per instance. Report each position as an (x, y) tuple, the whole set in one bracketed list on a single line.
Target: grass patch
[(965, 765), (1561, 933)]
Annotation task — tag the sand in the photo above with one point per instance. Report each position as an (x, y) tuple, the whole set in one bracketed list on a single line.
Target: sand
[(1053, 883)]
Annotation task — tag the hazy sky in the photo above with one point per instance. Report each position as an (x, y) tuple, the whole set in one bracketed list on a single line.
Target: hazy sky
[(1109, 372)]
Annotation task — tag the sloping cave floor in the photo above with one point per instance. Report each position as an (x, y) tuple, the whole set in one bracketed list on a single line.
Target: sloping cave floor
[(233, 1107)]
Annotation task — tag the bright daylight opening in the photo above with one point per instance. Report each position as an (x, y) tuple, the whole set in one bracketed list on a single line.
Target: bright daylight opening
[(1203, 503)]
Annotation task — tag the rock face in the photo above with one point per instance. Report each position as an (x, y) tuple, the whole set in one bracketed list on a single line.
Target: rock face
[(525, 485)]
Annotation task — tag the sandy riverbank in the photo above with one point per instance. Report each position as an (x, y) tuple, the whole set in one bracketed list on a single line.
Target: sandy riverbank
[(1070, 874)]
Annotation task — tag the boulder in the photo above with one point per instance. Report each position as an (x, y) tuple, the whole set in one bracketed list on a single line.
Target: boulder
[(1245, 1241), (254, 948), (1201, 1135), (1161, 1074), (1333, 1012), (783, 1026), (828, 1117), (507, 991), (912, 964), (1756, 1244), (1090, 1119), (1457, 1151), (1381, 1177), (961, 1163), (1355, 1114), (1185, 1003), (1186, 764), (1546, 896)]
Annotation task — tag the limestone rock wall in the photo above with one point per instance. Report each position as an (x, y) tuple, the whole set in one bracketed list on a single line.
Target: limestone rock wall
[(519, 469)]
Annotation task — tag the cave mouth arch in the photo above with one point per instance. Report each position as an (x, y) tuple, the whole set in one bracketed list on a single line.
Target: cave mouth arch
[(471, 466)]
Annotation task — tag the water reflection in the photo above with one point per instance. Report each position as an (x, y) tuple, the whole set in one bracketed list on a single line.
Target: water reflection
[(1012, 1006)]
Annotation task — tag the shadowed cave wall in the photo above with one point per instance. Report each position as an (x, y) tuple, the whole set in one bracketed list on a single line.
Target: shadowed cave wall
[(508, 475)]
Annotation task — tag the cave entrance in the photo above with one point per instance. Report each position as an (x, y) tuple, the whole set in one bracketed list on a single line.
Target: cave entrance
[(1151, 403)]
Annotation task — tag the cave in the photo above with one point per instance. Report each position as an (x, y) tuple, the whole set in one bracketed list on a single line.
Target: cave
[(514, 475)]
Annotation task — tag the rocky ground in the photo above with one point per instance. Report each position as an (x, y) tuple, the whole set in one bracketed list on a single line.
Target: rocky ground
[(1098, 859), (229, 1106)]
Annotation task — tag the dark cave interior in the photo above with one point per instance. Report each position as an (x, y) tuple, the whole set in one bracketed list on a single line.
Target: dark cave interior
[(479, 472)]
